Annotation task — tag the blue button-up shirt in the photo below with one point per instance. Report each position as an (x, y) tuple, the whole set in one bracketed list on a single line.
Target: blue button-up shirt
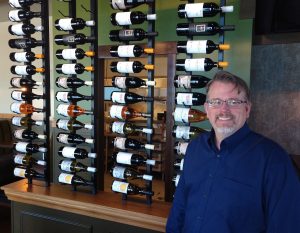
[(248, 186)]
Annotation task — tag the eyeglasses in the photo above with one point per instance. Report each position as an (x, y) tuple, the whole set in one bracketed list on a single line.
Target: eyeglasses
[(231, 103)]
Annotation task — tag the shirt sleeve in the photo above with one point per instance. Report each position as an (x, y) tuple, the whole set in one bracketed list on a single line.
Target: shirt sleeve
[(281, 195)]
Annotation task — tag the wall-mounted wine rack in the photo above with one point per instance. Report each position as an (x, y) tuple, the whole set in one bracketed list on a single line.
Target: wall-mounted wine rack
[(184, 115), (33, 160), (75, 157)]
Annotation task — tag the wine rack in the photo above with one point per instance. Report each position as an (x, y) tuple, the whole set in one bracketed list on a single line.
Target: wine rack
[(33, 160), (184, 115), (79, 166), (122, 157)]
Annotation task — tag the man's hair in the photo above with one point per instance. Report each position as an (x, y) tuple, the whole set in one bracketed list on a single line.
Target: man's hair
[(226, 77)]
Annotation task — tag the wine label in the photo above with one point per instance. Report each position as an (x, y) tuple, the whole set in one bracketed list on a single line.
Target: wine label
[(183, 132), (199, 27), (69, 54), (126, 50), (181, 148), (118, 97), (41, 162), (65, 178), (123, 18), (118, 172), (21, 146), (18, 133), (20, 172), (118, 4), (65, 24), (16, 82), (62, 124), (66, 165), (91, 169), (14, 16), (194, 10), (68, 69), (17, 29), (125, 67), (196, 46), (89, 140), (17, 95), (90, 23), (62, 82), (149, 146), (120, 187), (124, 158), (176, 180), (88, 126), (184, 81), (68, 152), (62, 109), (184, 99), (117, 127), (120, 143), (21, 70), (116, 111), (181, 115), (63, 138), (14, 3), (194, 64), (150, 162), (147, 177), (147, 131), (18, 159), (16, 121), (15, 107), (20, 57), (62, 96), (120, 82), (92, 155)]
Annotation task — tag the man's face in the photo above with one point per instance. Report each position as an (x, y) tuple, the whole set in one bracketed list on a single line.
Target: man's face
[(225, 119)]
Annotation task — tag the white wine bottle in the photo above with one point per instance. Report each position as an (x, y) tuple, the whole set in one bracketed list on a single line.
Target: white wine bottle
[(66, 178), (129, 189)]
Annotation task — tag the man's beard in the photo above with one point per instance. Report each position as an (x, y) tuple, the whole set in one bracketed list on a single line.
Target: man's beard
[(225, 132)]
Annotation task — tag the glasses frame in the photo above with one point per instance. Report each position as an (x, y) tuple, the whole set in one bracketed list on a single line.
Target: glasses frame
[(231, 103)]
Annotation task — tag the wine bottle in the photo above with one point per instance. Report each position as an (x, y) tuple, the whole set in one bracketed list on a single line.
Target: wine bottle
[(73, 39), (22, 15), (190, 81), (72, 124), (25, 56), (180, 147), (127, 4), (70, 24), (22, 3), (129, 189), (176, 180), (72, 138), (130, 82), (200, 46), (74, 166), (136, 34), (26, 70), (27, 147), (20, 96), (24, 82), (128, 172), (67, 178), (76, 68), (129, 143), (129, 51), (71, 110), (68, 82), (130, 18), (128, 128), (24, 108), (28, 134), (71, 96), (129, 66), (125, 113), (178, 164), (28, 173), (208, 9), (28, 160), (25, 121), (23, 29), (131, 159), (121, 97), (188, 115), (75, 153), (73, 54), (186, 132), (201, 29), (190, 98), (24, 43), (198, 64)]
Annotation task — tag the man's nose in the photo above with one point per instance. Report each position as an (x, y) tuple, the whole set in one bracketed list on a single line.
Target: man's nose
[(225, 106)]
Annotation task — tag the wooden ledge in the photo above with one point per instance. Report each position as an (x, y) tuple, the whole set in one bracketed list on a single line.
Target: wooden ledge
[(104, 205)]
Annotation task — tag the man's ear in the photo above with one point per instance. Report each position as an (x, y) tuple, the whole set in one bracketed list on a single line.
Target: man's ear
[(205, 107), (248, 108)]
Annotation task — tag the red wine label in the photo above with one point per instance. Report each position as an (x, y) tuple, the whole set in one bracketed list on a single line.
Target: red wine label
[(65, 178), (14, 15), (66, 165), (62, 109), (118, 172), (21, 147), (126, 50), (116, 111), (123, 18), (68, 152), (21, 57), (69, 54), (20, 172), (117, 127), (194, 64), (62, 124), (118, 4), (118, 97), (184, 81), (120, 187), (120, 82), (183, 132), (18, 133), (184, 99), (17, 95), (181, 115), (65, 24), (125, 67), (196, 46), (120, 143), (62, 82), (124, 158), (194, 10), (17, 29)]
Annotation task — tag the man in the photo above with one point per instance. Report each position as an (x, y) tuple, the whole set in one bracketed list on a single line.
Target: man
[(234, 180)]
